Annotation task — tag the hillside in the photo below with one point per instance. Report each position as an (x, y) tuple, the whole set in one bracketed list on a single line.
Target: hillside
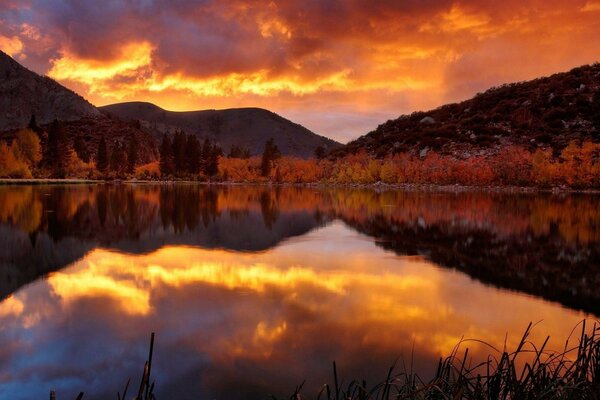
[(543, 113), (24, 93), (246, 127)]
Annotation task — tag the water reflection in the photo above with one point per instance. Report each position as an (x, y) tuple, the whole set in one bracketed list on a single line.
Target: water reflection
[(253, 289)]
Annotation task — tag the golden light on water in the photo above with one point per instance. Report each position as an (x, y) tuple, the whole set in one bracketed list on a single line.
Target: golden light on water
[(382, 304)]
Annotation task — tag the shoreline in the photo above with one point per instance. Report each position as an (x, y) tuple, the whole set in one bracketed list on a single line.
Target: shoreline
[(408, 187)]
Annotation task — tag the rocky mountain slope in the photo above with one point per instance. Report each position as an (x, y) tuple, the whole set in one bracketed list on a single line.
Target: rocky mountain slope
[(24, 93), (546, 112), (246, 127)]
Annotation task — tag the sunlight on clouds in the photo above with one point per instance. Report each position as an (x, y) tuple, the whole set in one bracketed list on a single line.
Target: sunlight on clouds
[(258, 83), (129, 280), (133, 71), (11, 306), (94, 281), (458, 20), (591, 6), (11, 45), (386, 303), (93, 72)]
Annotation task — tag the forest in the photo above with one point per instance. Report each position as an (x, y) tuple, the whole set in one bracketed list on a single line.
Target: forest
[(35, 153)]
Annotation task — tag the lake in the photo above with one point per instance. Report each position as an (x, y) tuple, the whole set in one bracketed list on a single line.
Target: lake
[(251, 290)]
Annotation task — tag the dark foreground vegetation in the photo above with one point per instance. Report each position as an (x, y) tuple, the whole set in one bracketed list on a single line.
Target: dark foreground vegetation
[(531, 371)]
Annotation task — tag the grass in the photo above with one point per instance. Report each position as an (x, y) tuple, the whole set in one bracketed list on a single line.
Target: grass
[(529, 372)]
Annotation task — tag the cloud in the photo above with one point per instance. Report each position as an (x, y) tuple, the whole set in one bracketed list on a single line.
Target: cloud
[(11, 45), (299, 58)]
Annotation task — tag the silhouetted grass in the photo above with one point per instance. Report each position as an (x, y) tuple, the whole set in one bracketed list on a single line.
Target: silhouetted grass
[(572, 373), (528, 372)]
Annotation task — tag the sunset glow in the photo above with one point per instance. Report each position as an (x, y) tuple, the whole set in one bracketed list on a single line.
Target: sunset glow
[(374, 294), (308, 61)]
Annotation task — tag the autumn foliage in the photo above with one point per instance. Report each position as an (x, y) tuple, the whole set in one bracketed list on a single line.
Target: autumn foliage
[(577, 166)]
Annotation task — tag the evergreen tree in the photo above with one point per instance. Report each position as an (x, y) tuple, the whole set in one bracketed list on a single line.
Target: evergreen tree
[(132, 153), (51, 150), (118, 159), (179, 158), (102, 157), (192, 154), (33, 125), (58, 150), (166, 156), (270, 154), (212, 164), (81, 149), (320, 152), (205, 156)]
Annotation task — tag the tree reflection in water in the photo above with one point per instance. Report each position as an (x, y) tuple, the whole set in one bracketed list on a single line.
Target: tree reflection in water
[(542, 244)]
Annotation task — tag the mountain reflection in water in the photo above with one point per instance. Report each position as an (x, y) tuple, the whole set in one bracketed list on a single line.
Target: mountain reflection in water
[(253, 289)]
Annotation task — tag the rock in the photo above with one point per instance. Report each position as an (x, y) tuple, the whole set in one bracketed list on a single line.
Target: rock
[(473, 136), (423, 152), (427, 120)]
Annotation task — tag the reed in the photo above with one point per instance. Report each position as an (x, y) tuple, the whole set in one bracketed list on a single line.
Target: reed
[(528, 372)]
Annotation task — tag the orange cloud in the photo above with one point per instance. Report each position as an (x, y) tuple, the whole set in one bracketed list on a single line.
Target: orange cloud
[(11, 45), (411, 294), (340, 68)]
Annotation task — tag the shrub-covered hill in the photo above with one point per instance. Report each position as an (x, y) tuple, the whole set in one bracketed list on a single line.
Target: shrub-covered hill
[(543, 113)]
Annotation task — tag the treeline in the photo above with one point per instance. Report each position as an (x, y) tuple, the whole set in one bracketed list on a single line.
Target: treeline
[(184, 156), (39, 153), (35, 153), (576, 166)]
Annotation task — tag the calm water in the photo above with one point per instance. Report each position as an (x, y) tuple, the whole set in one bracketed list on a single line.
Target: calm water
[(252, 290)]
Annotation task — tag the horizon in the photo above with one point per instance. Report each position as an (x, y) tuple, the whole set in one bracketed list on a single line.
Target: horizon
[(395, 58)]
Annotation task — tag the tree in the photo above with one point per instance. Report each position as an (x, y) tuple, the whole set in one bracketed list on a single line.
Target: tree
[(28, 146), (270, 154), (320, 152), (57, 151), (212, 162), (205, 155), (132, 153), (11, 165), (166, 156), (179, 142), (81, 149), (118, 159), (192, 154), (102, 157), (33, 125), (51, 145)]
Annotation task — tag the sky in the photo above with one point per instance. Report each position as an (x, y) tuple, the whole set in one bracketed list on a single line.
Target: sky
[(340, 68)]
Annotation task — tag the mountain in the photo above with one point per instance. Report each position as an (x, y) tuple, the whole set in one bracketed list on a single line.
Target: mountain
[(246, 127), (546, 112), (24, 93)]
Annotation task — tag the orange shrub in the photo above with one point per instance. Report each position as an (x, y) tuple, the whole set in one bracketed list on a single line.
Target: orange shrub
[(148, 171)]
